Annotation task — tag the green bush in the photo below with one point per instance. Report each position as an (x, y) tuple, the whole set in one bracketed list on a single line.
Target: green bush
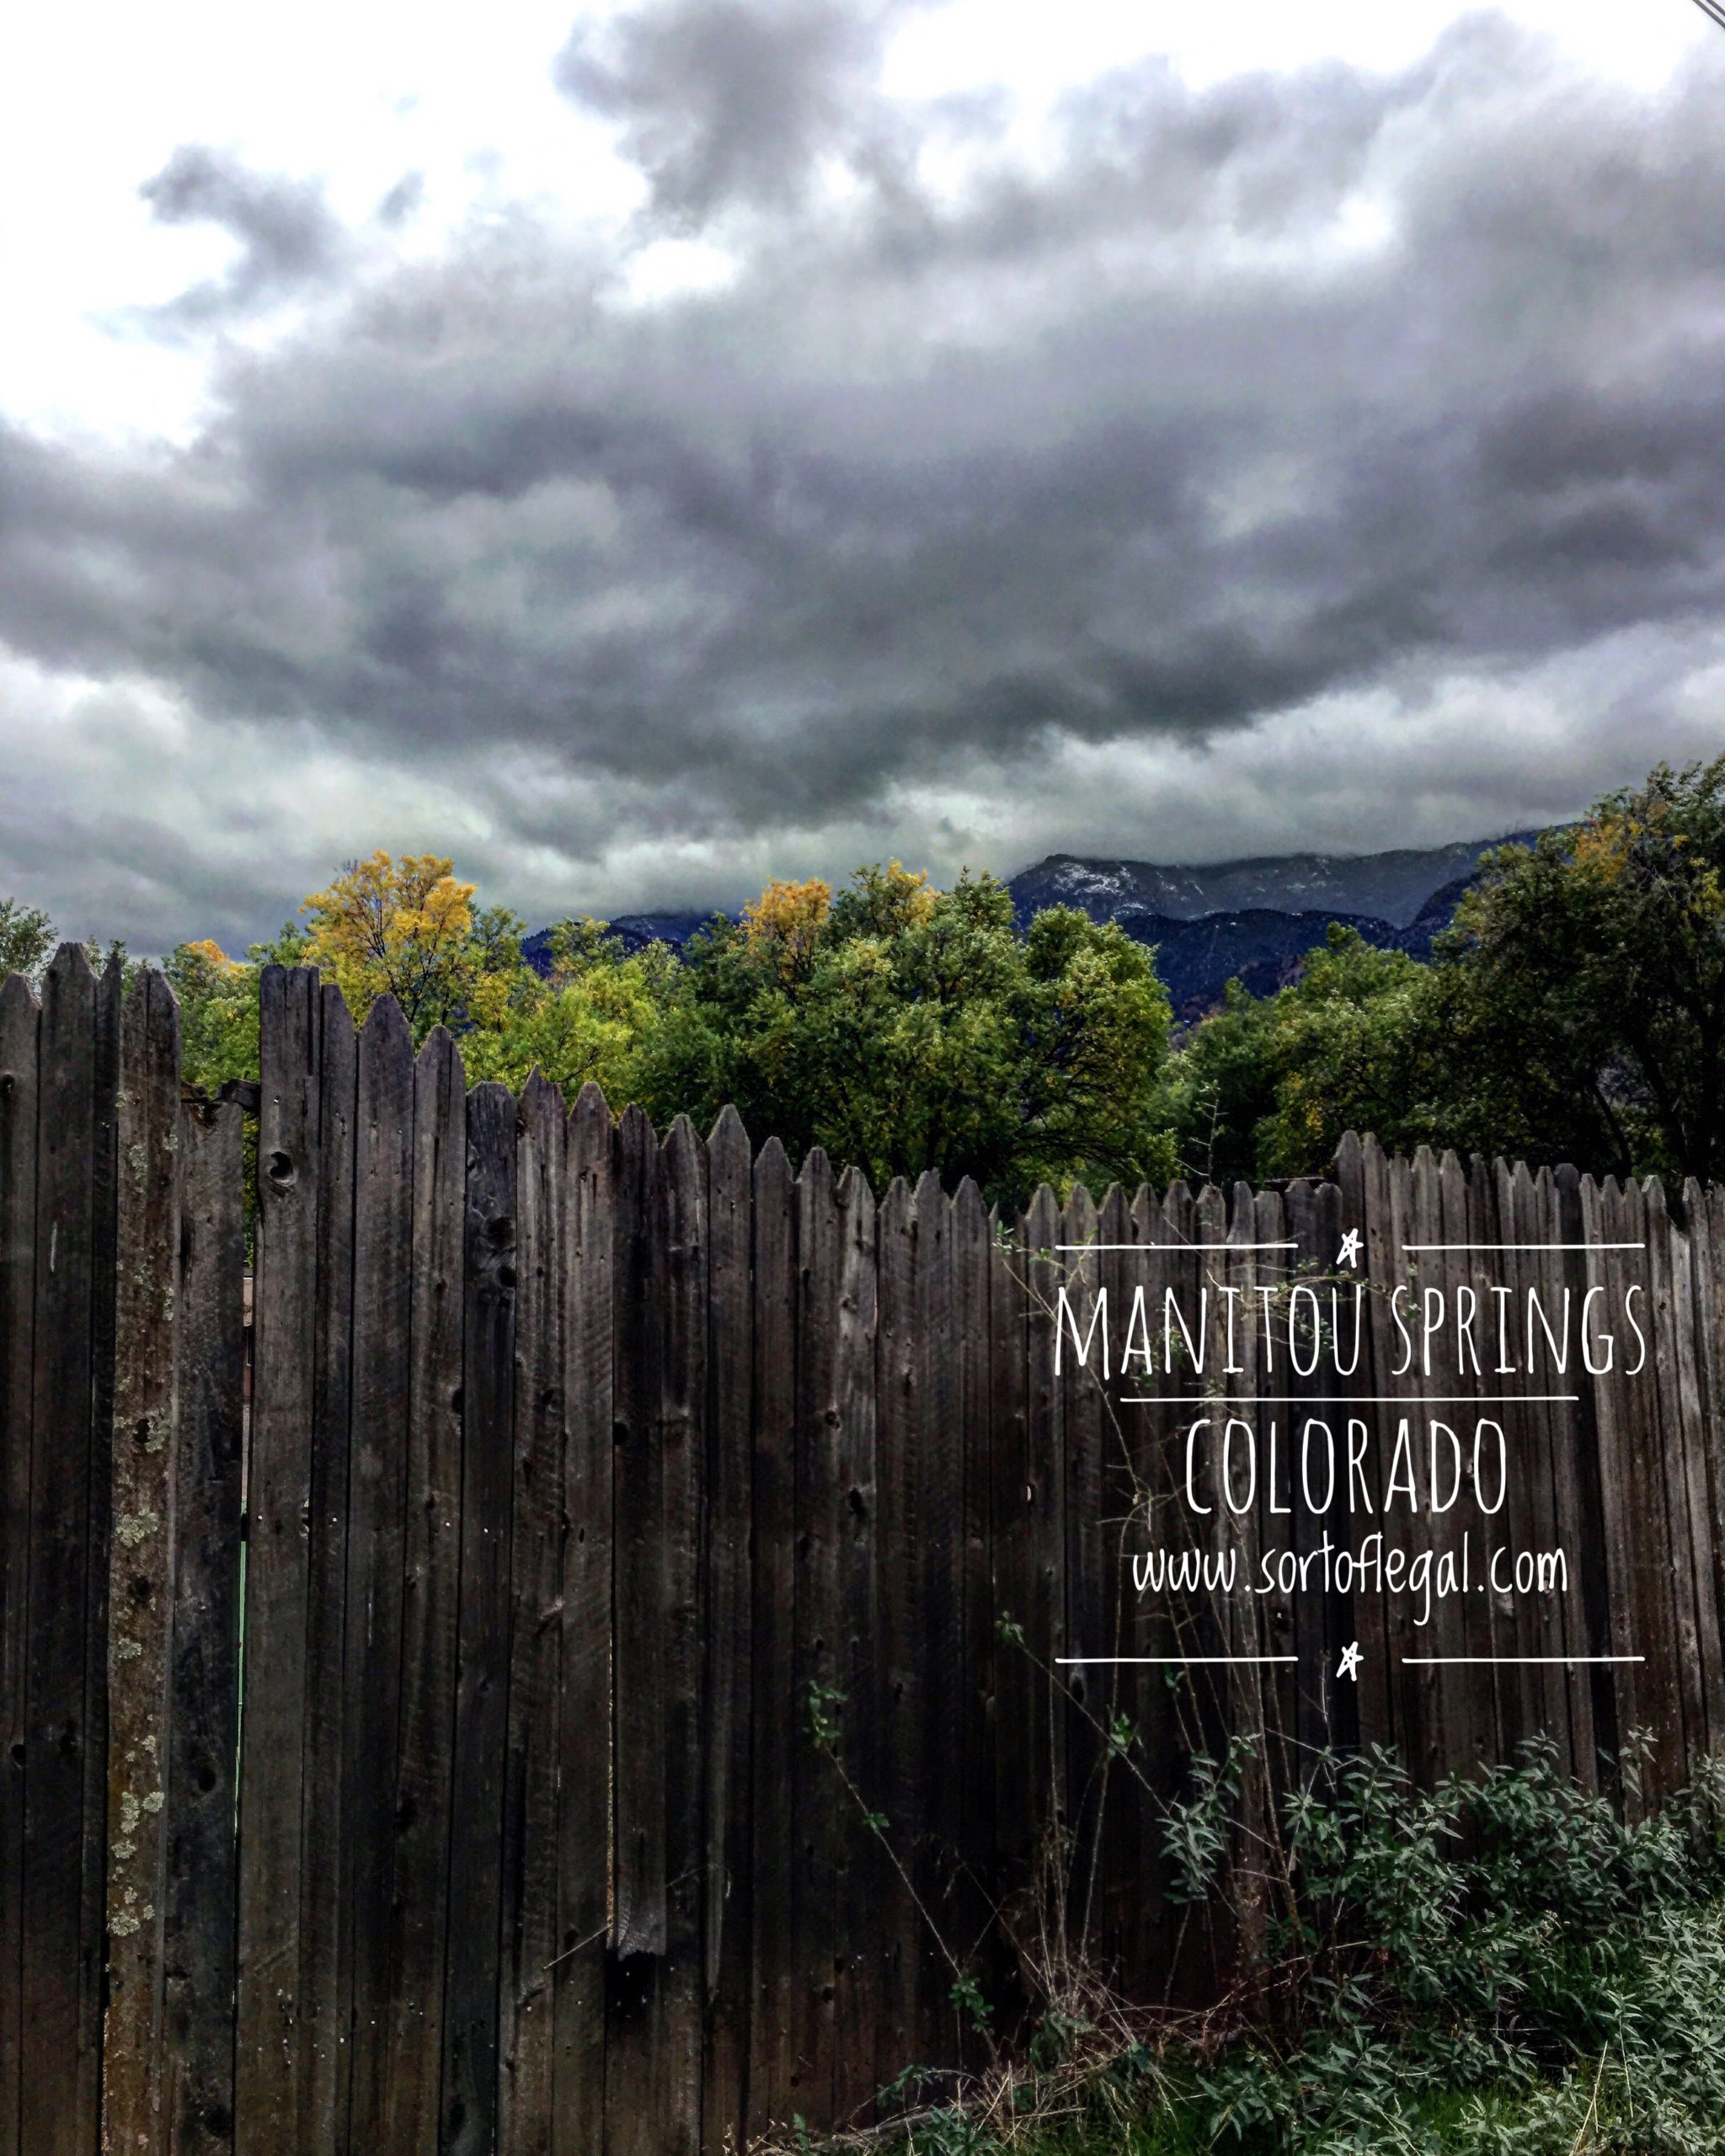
[(1500, 1966)]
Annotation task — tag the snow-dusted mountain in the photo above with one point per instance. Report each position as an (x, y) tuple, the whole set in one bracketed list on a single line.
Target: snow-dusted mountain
[(1390, 886), (1253, 920)]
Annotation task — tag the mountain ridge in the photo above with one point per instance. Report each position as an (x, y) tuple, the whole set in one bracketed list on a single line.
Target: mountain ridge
[(1391, 886), (1210, 923)]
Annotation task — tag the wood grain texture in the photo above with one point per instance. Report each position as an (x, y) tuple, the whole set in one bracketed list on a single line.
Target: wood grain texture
[(816, 1788), (1017, 1678), (20, 1019), (62, 1940), (278, 1504), (1579, 1503), (638, 1553), (585, 1811), (325, 1936), (530, 1838), (377, 1507), (1087, 1385), (728, 1723), (424, 1765), (146, 1318), (681, 1237), (199, 1913), (1043, 1635), (780, 1719), (864, 1871), (105, 1189), (470, 2029), (904, 1722)]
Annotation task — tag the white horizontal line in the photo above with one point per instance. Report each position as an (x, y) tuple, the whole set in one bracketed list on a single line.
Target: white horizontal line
[(1523, 1245), (1092, 1660), (1341, 1399), (1440, 1661), (1185, 1246)]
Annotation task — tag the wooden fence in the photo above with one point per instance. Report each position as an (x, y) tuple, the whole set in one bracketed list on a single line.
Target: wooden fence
[(678, 1596)]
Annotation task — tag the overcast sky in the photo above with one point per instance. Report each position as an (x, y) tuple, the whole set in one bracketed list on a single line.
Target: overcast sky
[(641, 451)]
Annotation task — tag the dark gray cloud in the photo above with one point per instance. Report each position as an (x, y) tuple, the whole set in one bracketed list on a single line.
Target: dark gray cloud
[(726, 101), (966, 517), (289, 236)]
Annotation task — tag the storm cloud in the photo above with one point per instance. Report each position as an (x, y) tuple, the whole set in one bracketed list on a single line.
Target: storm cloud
[(1321, 458), (289, 236), (738, 101)]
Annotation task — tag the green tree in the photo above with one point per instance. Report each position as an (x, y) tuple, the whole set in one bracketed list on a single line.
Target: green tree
[(1267, 1085), (1574, 1011), (1584, 982), (903, 1028), (26, 940), (587, 1020), (218, 1014)]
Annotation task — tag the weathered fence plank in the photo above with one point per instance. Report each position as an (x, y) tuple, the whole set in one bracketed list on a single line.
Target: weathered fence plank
[(937, 1481), (584, 1813), (529, 1838), (1013, 1585), (325, 1940), (1533, 1694), (1584, 1617), (780, 1718), (134, 2115), (640, 1608), (1043, 1620), (864, 1873), (638, 1922), (470, 2038), (1086, 1558), (104, 1191), (680, 1237), (278, 1503), (376, 1503), (971, 1901), (203, 1674), (1253, 1701), (18, 1024), (1150, 1762), (62, 1934), (729, 1471), (815, 1787), (1650, 1500), (1576, 1626), (903, 1730), (418, 1916), (1603, 1212)]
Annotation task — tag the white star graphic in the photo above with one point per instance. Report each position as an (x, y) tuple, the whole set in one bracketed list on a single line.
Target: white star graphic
[(1350, 1662)]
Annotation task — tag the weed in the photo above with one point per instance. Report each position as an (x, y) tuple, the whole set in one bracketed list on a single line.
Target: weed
[(1498, 1967)]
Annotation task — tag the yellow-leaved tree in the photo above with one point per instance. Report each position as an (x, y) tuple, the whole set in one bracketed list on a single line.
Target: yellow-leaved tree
[(781, 927), (408, 928)]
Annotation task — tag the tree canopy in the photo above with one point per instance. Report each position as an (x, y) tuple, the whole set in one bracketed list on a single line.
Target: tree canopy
[(903, 1028), (26, 939), (1575, 1010), (407, 928), (899, 1026)]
